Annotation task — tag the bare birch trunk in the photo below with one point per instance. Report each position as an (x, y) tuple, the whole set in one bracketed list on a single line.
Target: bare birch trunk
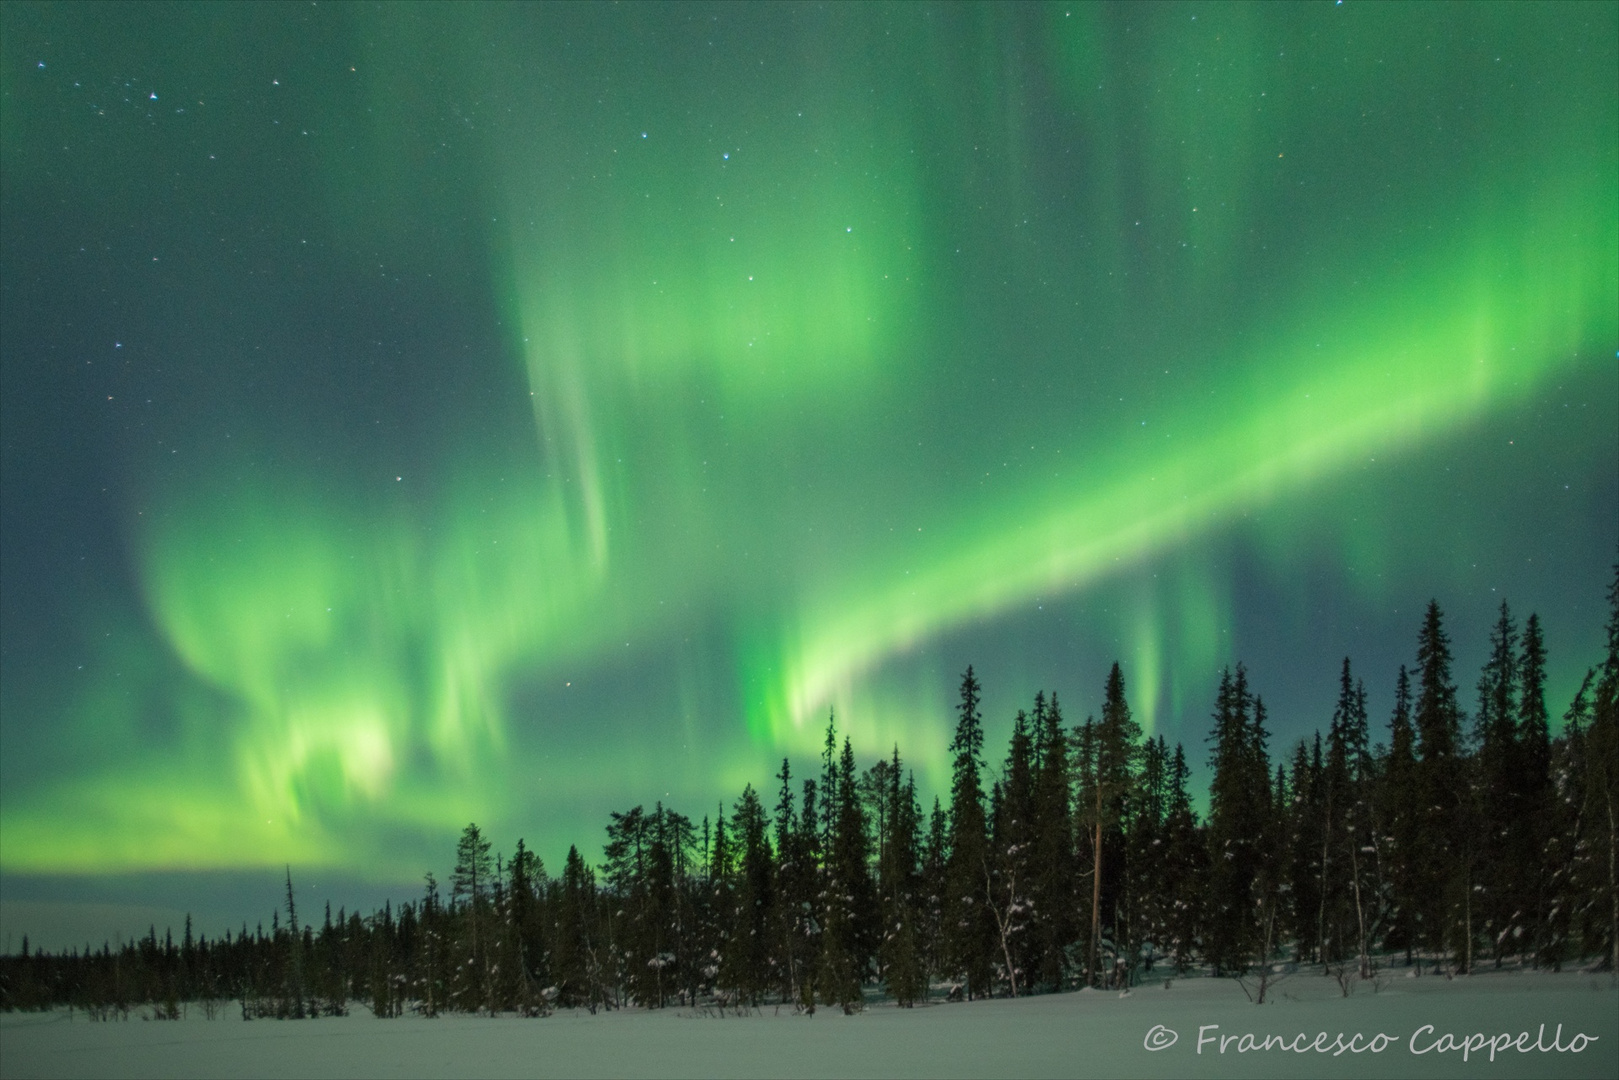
[(1264, 958), (1468, 924), (1360, 910), (1096, 893), (1004, 925), (1321, 916), (1613, 884)]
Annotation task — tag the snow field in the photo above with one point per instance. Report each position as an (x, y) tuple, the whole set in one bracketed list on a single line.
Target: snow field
[(1312, 1031)]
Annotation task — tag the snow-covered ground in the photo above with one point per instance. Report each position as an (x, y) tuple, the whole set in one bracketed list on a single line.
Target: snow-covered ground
[(1081, 1034)]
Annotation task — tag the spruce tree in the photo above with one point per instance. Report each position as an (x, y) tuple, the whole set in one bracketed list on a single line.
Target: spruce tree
[(1087, 856), (1349, 867), (1305, 835), (1242, 876), (1185, 864), (746, 967), (969, 925), (1601, 795), (1574, 882), (1441, 779), (576, 943), (837, 977), (432, 973), (855, 857), (718, 904), (1496, 811), (829, 782), (1267, 888), (1334, 894), (661, 907), (795, 891), (899, 884), (1012, 844), (1052, 887), (813, 920), (1144, 857), (526, 954), (1532, 833), (470, 886), (934, 907), (846, 940), (1534, 733), (295, 957), (1400, 812), (678, 834), (632, 929), (1117, 739), (1230, 874), (1362, 847)]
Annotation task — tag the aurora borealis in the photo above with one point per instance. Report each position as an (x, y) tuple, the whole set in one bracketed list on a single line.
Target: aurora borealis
[(421, 413)]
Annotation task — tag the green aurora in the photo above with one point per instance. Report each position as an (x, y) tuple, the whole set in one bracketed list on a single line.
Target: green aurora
[(424, 414)]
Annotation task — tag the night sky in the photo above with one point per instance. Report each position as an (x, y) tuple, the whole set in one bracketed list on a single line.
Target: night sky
[(413, 415)]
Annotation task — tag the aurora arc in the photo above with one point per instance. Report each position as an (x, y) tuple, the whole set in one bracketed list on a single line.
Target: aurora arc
[(718, 352)]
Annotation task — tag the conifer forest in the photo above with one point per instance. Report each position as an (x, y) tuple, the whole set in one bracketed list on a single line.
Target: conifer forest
[(1472, 828)]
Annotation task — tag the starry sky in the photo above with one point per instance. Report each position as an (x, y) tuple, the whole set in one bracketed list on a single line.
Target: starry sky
[(421, 414)]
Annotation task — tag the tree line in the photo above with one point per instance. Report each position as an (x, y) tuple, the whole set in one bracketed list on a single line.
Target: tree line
[(1441, 841)]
